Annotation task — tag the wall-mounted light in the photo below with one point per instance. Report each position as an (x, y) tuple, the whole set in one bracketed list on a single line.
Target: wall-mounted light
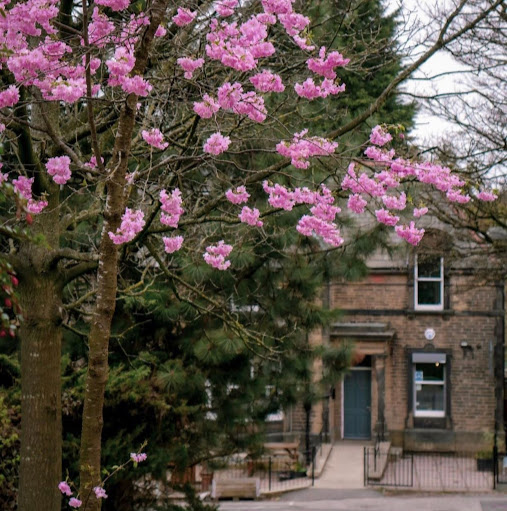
[(467, 349)]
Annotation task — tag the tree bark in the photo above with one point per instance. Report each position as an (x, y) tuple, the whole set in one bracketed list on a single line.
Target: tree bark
[(40, 292), (107, 277)]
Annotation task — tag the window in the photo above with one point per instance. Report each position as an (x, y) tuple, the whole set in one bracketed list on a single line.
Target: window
[(429, 377), (429, 283)]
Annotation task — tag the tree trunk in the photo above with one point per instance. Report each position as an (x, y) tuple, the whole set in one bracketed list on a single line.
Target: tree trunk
[(107, 277), (40, 293)]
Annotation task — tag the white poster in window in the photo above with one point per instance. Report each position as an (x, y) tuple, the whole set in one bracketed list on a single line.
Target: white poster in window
[(419, 376), (418, 387)]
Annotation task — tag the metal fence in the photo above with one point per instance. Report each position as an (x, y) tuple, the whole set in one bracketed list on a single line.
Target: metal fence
[(500, 465), (427, 471)]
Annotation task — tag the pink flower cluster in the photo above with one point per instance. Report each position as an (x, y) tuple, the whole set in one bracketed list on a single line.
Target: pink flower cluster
[(216, 255), (239, 47), (207, 108), (138, 457), (154, 138), (100, 493), (216, 144), (119, 69), (64, 487), (320, 222), (184, 17), (302, 148), (189, 66), (250, 216), (115, 5), (173, 244), (171, 208), (225, 7), (237, 197), (325, 65), (9, 97), (132, 223), (379, 136), (309, 90), (232, 97), (23, 187), (59, 169), (410, 233), (267, 82)]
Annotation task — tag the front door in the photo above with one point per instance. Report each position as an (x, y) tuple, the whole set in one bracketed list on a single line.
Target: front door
[(357, 404)]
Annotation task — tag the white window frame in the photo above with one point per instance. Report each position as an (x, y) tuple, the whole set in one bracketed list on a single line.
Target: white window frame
[(417, 279), (442, 383)]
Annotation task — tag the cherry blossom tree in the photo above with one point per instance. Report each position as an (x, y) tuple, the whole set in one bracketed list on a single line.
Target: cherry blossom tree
[(132, 131)]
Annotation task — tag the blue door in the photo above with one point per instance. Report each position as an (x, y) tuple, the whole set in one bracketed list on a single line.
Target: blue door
[(357, 404)]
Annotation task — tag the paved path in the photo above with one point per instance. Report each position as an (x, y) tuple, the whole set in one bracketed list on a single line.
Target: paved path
[(344, 467), (484, 502)]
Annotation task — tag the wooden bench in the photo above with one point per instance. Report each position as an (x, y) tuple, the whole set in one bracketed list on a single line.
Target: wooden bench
[(290, 448), (241, 488)]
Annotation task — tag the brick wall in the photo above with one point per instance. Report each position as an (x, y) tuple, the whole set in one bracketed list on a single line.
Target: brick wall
[(471, 319)]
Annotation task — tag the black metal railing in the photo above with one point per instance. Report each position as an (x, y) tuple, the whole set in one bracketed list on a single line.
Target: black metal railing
[(428, 470), (500, 467)]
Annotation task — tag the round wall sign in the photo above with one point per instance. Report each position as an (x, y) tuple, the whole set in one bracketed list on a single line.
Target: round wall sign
[(429, 333)]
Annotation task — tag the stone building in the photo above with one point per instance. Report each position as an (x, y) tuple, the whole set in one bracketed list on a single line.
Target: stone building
[(428, 332)]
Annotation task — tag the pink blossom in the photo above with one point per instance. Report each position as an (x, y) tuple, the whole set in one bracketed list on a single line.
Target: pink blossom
[(59, 169), (207, 108), (23, 185), (216, 144), (135, 85), (216, 255), (487, 196), (189, 65), (252, 106), (184, 17), (457, 196), (2, 127), (250, 216), (225, 7), (410, 233), (302, 148), (385, 217), (325, 65), (9, 97), (267, 82), (35, 207), (137, 458), (73, 502), (161, 31), (172, 244), (293, 23), (392, 202), (65, 488), (229, 95), (171, 208), (379, 136), (114, 5), (420, 212), (132, 223), (309, 225), (154, 138), (99, 29), (237, 197), (92, 164), (356, 203), (277, 6), (100, 493), (303, 43), (3, 177)]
